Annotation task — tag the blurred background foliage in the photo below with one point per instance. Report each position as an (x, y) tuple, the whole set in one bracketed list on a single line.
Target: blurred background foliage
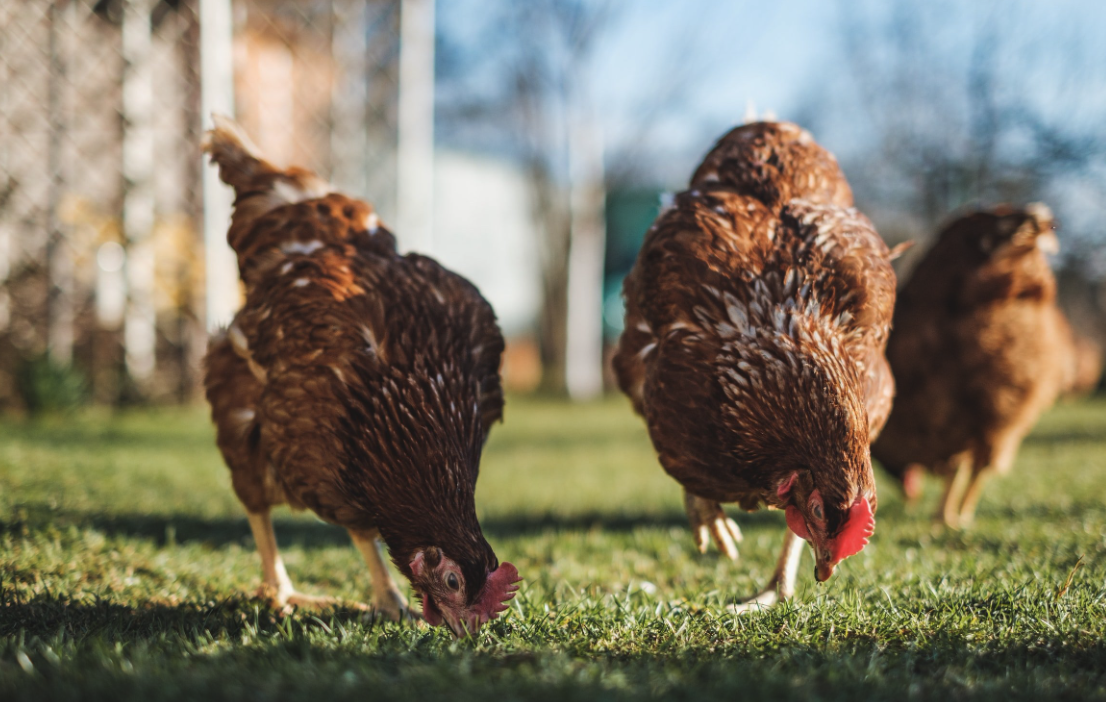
[(559, 125)]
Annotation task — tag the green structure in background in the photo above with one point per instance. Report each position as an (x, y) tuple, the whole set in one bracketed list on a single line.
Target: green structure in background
[(630, 213)]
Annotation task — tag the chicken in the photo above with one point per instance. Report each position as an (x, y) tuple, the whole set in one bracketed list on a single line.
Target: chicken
[(1086, 373), (359, 384), (756, 318), (1083, 369), (977, 353)]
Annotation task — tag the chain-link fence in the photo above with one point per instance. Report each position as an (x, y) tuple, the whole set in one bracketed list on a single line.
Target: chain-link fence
[(101, 258)]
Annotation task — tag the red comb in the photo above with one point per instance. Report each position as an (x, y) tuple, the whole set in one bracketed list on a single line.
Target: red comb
[(858, 529), (501, 586)]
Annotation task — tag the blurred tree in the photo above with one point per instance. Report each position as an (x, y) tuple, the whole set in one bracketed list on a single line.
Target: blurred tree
[(515, 95), (523, 80), (945, 105), (956, 113)]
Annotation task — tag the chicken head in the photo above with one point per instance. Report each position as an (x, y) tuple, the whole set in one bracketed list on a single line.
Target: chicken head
[(447, 597), (835, 528)]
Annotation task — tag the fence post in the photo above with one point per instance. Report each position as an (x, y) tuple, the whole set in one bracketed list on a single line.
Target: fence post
[(7, 187), (140, 321), (415, 151), (217, 95), (59, 261)]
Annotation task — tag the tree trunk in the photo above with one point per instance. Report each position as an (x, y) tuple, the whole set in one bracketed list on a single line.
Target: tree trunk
[(551, 215)]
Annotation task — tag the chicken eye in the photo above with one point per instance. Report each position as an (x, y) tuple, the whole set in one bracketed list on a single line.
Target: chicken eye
[(452, 581), (817, 511)]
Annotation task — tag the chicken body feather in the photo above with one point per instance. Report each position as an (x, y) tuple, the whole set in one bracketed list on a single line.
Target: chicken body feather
[(978, 350), (356, 382), (757, 314)]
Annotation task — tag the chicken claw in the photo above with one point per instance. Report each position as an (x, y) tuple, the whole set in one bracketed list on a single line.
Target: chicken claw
[(286, 601), (708, 520), (388, 602), (759, 602), (782, 585), (391, 605)]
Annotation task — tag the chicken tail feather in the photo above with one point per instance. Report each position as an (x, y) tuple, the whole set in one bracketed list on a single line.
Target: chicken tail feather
[(239, 160), (259, 186)]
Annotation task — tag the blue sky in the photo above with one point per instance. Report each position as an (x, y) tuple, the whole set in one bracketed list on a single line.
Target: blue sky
[(783, 55), (668, 78)]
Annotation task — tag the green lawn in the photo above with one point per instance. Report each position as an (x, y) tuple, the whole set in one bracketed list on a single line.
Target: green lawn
[(126, 572)]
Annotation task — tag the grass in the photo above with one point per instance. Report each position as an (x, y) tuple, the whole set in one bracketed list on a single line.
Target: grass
[(126, 573)]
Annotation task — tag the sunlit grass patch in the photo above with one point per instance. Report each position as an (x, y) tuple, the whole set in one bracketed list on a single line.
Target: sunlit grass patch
[(128, 571)]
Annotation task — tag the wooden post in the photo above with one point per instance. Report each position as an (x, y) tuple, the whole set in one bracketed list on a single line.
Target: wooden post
[(217, 95)]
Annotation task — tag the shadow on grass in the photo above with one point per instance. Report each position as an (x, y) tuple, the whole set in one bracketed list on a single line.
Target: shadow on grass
[(508, 526), (577, 438), (178, 528), (307, 534), (1060, 438), (45, 616), (110, 437)]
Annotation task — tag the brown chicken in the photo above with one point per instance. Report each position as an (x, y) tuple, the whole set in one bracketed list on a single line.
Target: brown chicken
[(978, 353), (1083, 370), (359, 384), (756, 317)]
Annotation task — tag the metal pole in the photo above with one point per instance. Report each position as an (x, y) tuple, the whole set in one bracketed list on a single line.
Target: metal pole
[(217, 95), (140, 321), (415, 167)]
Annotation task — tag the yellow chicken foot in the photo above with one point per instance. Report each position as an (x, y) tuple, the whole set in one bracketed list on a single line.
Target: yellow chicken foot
[(708, 520), (956, 483), (387, 601), (276, 586), (782, 585)]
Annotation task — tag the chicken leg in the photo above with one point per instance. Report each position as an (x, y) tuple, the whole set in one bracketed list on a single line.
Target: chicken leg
[(387, 600), (708, 520), (971, 498), (998, 459), (782, 585), (956, 482), (276, 586)]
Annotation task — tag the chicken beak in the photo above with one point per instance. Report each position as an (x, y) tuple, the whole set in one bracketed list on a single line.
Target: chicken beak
[(462, 626), (456, 628), (823, 564)]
